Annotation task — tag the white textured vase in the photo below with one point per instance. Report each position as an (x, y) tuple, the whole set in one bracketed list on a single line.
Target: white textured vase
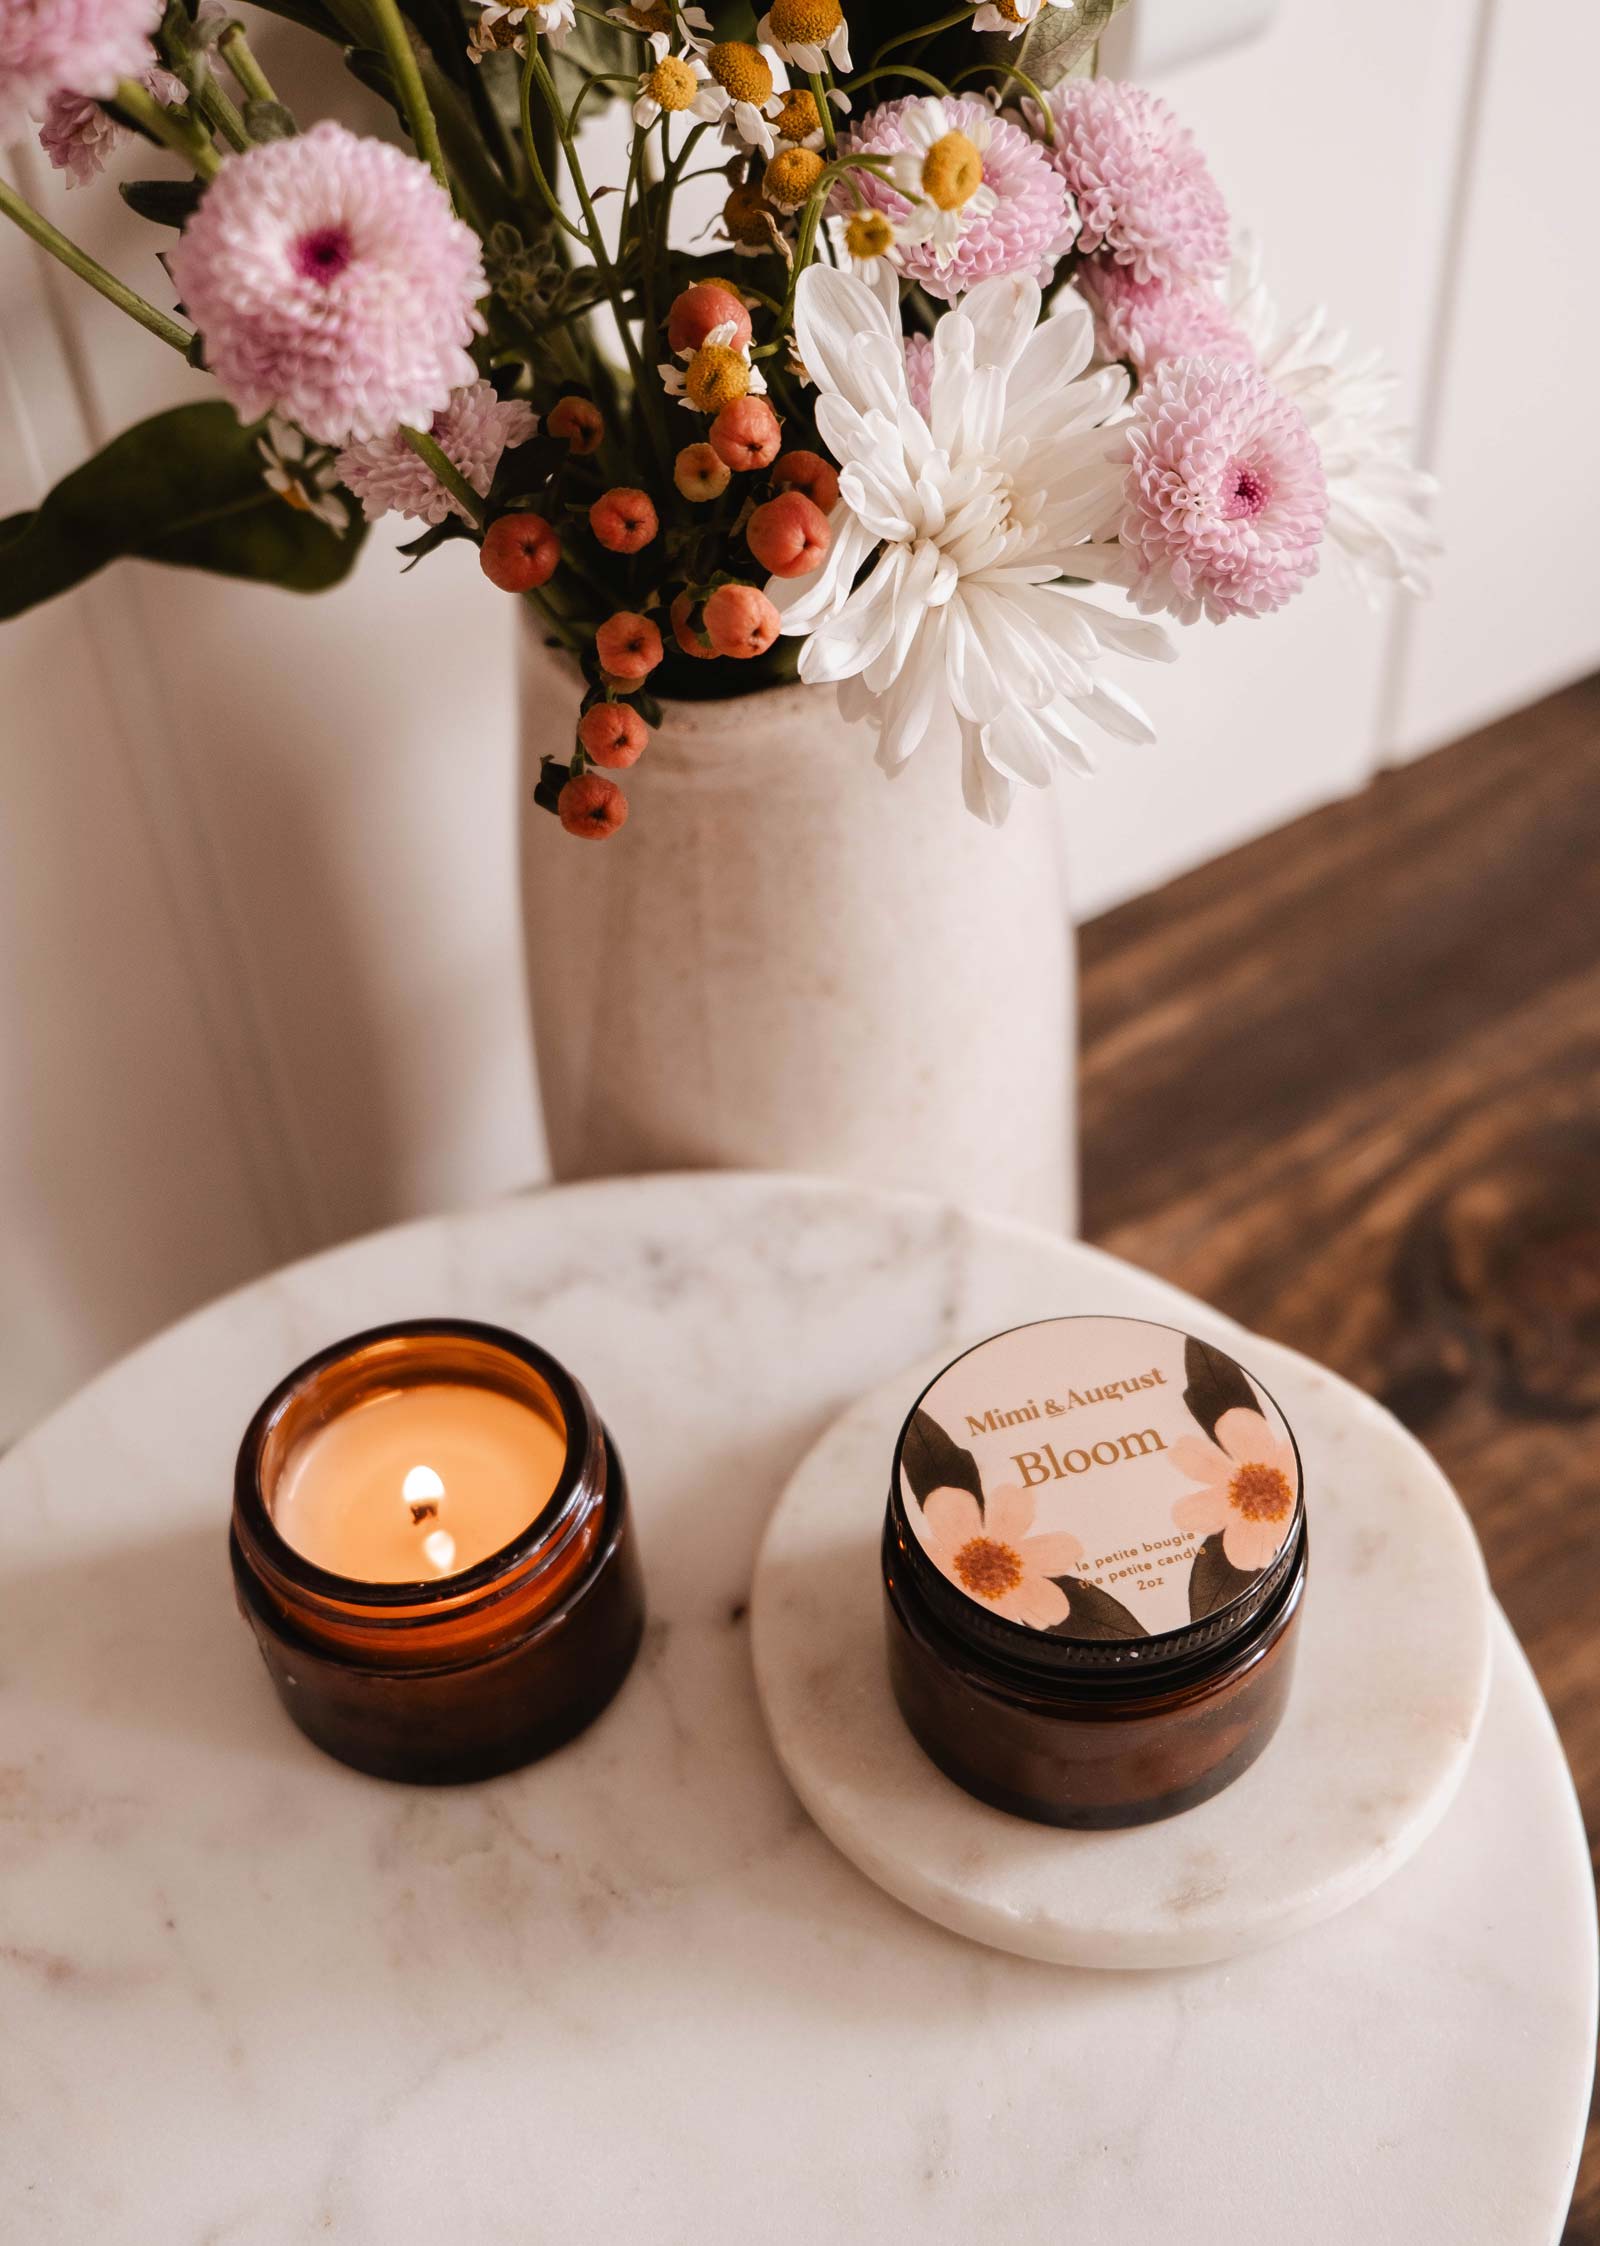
[(786, 961)]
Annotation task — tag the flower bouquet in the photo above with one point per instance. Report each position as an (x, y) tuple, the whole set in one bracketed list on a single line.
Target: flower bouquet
[(895, 357)]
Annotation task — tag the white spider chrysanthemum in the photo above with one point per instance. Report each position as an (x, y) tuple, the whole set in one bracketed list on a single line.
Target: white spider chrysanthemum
[(969, 518), (1012, 17), (653, 21), (1377, 497)]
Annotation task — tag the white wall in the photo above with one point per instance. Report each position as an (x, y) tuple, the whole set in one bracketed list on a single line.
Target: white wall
[(258, 971)]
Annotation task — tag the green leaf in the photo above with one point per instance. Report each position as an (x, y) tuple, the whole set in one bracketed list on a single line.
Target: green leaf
[(168, 202), (1059, 40), (932, 1460), (1093, 1613), (1215, 1385), (269, 120), (183, 488)]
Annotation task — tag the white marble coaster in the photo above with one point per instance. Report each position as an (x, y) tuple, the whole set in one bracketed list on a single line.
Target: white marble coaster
[(1391, 1680)]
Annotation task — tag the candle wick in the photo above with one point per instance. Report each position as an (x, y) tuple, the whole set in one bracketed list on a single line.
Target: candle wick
[(423, 1509)]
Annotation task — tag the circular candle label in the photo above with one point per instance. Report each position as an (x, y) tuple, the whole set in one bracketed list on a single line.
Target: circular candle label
[(1099, 1477)]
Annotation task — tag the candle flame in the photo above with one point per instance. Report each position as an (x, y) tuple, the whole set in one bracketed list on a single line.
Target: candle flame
[(422, 1490), (439, 1547)]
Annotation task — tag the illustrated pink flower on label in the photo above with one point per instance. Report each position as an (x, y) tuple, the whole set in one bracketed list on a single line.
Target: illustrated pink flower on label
[(987, 1551), (1248, 1479)]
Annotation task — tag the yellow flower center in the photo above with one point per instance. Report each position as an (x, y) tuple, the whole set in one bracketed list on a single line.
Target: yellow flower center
[(747, 217), (791, 176), (717, 375), (294, 497), (672, 84), (952, 171), (744, 70), (1260, 1493), (868, 234), (799, 117), (811, 22), (1009, 10), (987, 1569)]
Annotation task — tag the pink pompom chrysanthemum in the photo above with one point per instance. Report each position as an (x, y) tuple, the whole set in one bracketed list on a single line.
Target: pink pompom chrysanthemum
[(956, 224), (84, 45), (78, 134), (1143, 191), (1224, 500), (474, 429), (332, 283), (1145, 322)]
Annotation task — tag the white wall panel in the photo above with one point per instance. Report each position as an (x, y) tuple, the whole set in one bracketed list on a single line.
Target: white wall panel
[(1514, 436)]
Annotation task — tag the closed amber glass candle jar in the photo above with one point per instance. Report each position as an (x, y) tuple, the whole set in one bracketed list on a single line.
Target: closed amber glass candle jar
[(453, 1671), (1094, 1561)]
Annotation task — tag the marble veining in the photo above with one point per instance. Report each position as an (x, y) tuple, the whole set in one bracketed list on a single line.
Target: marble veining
[(252, 1999)]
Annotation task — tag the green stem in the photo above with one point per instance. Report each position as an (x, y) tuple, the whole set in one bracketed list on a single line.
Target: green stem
[(433, 455), (1010, 70), (218, 111), (924, 31), (249, 76), (901, 70), (541, 178), (79, 261), (408, 82), (170, 127), (819, 94)]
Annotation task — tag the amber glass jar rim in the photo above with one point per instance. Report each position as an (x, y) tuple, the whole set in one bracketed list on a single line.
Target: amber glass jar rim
[(544, 1538), (1043, 1653)]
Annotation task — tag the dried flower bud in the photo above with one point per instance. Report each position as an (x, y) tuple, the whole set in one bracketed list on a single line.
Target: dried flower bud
[(748, 219), (697, 310), (741, 621), (629, 646), (613, 735), (579, 421), (624, 520), (699, 473), (810, 473), (747, 435), (789, 535), (690, 636), (519, 553), (592, 806)]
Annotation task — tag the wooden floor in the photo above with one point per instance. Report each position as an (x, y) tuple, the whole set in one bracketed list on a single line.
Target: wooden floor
[(1345, 1084)]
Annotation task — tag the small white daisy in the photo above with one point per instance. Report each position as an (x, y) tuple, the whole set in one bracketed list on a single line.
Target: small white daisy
[(751, 82), (808, 33), (675, 86), (940, 173), (304, 476), (686, 379), (653, 20), (1012, 17)]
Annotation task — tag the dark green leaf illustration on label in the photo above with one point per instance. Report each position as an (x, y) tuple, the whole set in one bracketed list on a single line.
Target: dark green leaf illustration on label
[(1214, 1582), (931, 1461), (1215, 1385), (1094, 1613)]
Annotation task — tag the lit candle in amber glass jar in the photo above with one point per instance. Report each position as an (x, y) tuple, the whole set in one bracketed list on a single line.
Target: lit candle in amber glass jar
[(431, 1542)]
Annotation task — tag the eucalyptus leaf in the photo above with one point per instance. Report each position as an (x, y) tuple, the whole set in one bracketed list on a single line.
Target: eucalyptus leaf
[(167, 202), (1058, 42), (1214, 1582), (184, 488), (269, 120), (1093, 1613), (932, 1460)]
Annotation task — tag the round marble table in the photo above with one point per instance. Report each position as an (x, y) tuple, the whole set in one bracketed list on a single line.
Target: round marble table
[(250, 1998)]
